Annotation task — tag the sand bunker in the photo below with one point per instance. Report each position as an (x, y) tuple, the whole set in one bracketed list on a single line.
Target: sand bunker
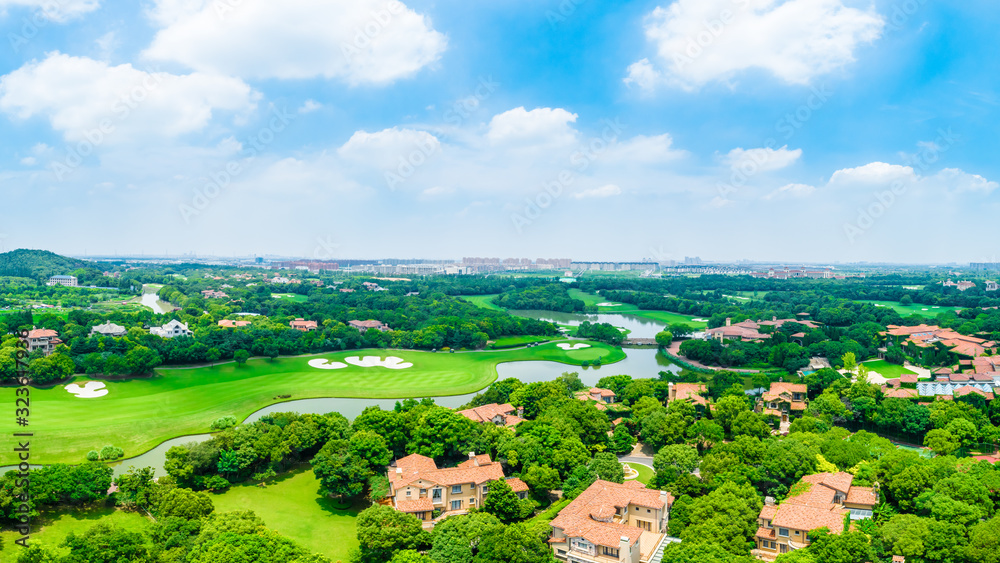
[(90, 390), (326, 364), (609, 304), (699, 320), (391, 362), (568, 346)]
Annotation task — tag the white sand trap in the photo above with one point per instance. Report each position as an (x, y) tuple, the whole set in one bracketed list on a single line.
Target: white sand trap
[(923, 309), (391, 362), (568, 346), (699, 320), (326, 364), (90, 390), (609, 304)]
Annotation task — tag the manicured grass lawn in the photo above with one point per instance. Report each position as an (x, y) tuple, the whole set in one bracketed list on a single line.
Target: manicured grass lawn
[(138, 414), (887, 370), (645, 473), (292, 506), (484, 301), (511, 341), (915, 309), (51, 528), (665, 317), (291, 297)]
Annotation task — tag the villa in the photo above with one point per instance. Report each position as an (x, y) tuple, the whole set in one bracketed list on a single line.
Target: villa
[(612, 523), (365, 325), (749, 331), (961, 286), (691, 392), (173, 329), (304, 325), (226, 323), (784, 399), (920, 337), (418, 487), (43, 339), (212, 294), (992, 286), (602, 396), (109, 329), (500, 415), (823, 500)]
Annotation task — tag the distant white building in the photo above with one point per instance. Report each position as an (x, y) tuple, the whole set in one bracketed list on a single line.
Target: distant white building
[(109, 329), (68, 281), (173, 329)]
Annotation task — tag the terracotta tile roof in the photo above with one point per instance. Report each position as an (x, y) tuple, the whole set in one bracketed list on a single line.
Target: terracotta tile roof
[(368, 324), (417, 505), (302, 323), (765, 533), (862, 495), (840, 481), (909, 378), (517, 485), (602, 499), (602, 392), (968, 390), (767, 512), (42, 333), (690, 392), (415, 467), (900, 393), (487, 413), (803, 517), (898, 559), (959, 377)]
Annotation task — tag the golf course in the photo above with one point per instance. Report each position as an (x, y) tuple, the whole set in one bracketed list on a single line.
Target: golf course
[(138, 414)]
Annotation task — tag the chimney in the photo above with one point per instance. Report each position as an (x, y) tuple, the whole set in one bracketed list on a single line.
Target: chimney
[(774, 317), (472, 458), (729, 322), (520, 412), (769, 501), (399, 471), (623, 546)]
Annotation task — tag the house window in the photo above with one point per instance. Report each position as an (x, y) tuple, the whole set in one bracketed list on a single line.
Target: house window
[(456, 505), (784, 548), (783, 532), (436, 494), (609, 551), (423, 491), (456, 489), (407, 492), (485, 489)]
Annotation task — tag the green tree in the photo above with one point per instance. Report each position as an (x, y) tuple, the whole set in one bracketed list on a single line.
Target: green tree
[(502, 502), (241, 356), (382, 531), (456, 539), (679, 456), (941, 442), (184, 503), (607, 467), (726, 517), (664, 338), (340, 472), (514, 544), (850, 361), (411, 556), (845, 547)]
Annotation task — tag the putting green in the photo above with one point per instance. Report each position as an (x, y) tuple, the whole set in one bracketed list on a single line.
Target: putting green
[(138, 414), (915, 309)]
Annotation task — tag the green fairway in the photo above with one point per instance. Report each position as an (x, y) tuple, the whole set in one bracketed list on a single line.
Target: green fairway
[(915, 309), (293, 507), (887, 370), (512, 341), (665, 317), (645, 472), (138, 414), (484, 301), (52, 527), (291, 297)]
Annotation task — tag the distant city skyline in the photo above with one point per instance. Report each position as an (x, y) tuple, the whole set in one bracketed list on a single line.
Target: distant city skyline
[(787, 131)]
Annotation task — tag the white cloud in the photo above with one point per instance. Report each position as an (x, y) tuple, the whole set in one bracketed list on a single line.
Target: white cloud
[(875, 173), (718, 202), (436, 191), (643, 149), (29, 161), (79, 94), (388, 145), (601, 192), (358, 41), (700, 41), (538, 127), (309, 106), (959, 181), (762, 159), (57, 11), (791, 191)]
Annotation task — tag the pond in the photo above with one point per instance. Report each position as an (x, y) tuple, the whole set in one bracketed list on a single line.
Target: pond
[(151, 300), (638, 326)]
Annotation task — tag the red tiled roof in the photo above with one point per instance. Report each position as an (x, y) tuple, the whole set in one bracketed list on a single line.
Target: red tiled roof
[(487, 413), (415, 467), (765, 533), (42, 333), (862, 495), (416, 505), (576, 519), (690, 392), (517, 485)]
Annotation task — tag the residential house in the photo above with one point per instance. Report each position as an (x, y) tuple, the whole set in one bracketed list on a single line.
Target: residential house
[(926, 337), (500, 415), (173, 329), (304, 325), (992, 286), (612, 523), (109, 329), (68, 281), (749, 331), (961, 286), (784, 400), (823, 500), (226, 323), (602, 396), (365, 325), (418, 487), (693, 393), (212, 294), (43, 339)]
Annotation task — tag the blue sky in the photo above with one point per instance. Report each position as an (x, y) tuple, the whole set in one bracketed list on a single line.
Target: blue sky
[(784, 130)]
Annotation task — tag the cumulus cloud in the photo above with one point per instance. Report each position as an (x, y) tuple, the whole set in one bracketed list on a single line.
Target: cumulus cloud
[(762, 159), (643, 149), (875, 173), (61, 11), (78, 95), (601, 192), (700, 41), (388, 145), (309, 106), (357, 41), (538, 127)]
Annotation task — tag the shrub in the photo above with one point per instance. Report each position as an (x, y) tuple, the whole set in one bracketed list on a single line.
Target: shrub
[(111, 453), (92, 455), (224, 422)]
